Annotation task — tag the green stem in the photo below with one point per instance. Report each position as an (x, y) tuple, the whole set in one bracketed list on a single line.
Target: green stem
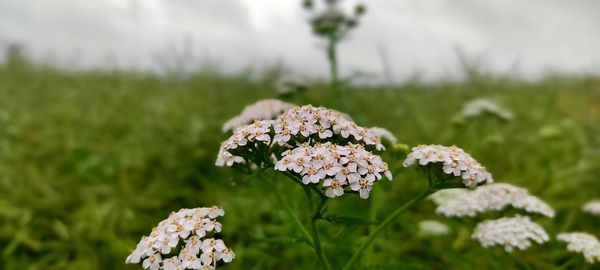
[(297, 221), (570, 262), (384, 224), (316, 242), (315, 233), (372, 216), (333, 62)]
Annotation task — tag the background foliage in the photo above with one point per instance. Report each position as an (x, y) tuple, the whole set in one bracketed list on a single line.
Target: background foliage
[(90, 161)]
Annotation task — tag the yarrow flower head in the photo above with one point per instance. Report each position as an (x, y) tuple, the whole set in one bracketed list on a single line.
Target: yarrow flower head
[(495, 197), (184, 241), (433, 228), (339, 168), (483, 106), (266, 109), (584, 243), (592, 207), (384, 134), (252, 136), (296, 126), (321, 124), (450, 160), (516, 232), (318, 145)]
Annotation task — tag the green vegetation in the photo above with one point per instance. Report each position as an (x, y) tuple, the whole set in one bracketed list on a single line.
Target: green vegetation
[(90, 161)]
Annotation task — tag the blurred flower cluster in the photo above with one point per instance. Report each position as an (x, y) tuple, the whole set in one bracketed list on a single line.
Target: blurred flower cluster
[(584, 243), (265, 109), (332, 20), (452, 161), (433, 228), (493, 197), (509, 232), (515, 232), (484, 106), (592, 207)]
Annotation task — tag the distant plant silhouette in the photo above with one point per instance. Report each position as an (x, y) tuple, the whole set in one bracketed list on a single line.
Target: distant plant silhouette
[(332, 24)]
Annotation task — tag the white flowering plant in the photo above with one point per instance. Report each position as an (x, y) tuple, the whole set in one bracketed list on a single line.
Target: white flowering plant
[(497, 199), (333, 24), (329, 155)]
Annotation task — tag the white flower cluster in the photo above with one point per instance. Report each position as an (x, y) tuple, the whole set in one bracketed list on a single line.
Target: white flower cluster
[(184, 231), (445, 195), (324, 123), (266, 109), (592, 207), (257, 132), (454, 161), (291, 128), (584, 243), (516, 232), (383, 134), (337, 166), (433, 228), (496, 197), (478, 107)]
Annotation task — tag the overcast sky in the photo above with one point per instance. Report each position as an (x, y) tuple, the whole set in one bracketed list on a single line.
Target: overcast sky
[(521, 37)]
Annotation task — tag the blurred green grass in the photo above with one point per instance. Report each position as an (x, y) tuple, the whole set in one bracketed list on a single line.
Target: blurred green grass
[(90, 161)]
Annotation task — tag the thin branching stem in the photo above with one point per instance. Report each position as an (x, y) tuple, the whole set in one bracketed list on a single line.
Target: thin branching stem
[(315, 233), (316, 242), (333, 62), (384, 224), (295, 218)]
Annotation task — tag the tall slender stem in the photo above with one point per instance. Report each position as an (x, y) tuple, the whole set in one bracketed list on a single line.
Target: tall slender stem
[(384, 224), (333, 62), (316, 242), (295, 218), (315, 233)]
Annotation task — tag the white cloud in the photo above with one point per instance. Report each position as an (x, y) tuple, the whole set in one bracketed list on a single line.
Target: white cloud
[(418, 35)]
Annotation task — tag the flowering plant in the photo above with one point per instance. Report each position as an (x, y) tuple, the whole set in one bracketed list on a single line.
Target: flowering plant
[(329, 155), (333, 24)]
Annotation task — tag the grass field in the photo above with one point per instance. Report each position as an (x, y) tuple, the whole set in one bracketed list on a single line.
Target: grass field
[(91, 161)]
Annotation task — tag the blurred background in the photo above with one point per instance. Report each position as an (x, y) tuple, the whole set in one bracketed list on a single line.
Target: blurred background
[(111, 115), (412, 38)]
